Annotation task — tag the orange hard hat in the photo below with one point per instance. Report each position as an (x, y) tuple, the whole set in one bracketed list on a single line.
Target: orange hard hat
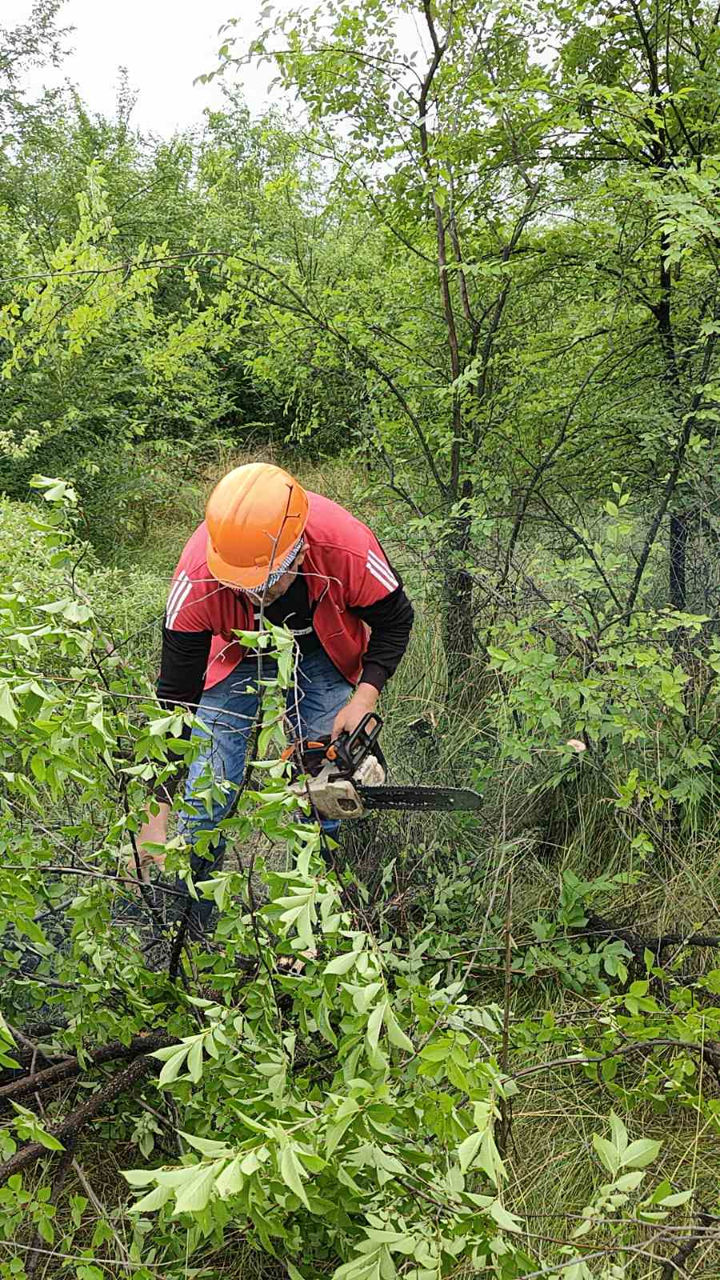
[(255, 516)]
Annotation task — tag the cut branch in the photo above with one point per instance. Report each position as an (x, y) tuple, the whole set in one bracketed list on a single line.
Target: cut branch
[(71, 1126), (52, 1076)]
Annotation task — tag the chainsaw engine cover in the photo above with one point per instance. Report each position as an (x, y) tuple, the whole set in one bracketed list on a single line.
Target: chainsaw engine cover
[(334, 796)]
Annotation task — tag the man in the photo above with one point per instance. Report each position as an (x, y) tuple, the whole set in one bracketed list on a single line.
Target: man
[(267, 547)]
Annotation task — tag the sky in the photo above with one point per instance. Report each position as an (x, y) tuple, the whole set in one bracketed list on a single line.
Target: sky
[(164, 44)]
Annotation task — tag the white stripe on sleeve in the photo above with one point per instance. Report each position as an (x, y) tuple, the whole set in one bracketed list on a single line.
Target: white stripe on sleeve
[(175, 591), (382, 571), (178, 604)]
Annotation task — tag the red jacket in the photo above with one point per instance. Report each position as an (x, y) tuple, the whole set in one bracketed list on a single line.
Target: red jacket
[(345, 568)]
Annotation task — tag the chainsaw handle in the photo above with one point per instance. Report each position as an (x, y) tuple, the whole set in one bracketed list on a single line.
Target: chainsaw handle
[(350, 749)]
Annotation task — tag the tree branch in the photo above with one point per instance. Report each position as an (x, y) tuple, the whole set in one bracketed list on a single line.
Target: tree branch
[(71, 1126)]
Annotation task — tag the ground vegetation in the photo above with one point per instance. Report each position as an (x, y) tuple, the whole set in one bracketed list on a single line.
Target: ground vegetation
[(468, 287)]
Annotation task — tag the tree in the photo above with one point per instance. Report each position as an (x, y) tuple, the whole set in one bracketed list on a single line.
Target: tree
[(33, 42), (114, 330), (644, 81), (423, 146), (547, 167)]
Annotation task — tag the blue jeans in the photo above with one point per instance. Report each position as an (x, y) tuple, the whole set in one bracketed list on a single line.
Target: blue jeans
[(225, 720)]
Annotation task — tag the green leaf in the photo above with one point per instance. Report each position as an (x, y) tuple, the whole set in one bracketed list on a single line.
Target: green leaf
[(253, 1160), (45, 1230), (323, 1022), (290, 1171), (29, 1122), (8, 708), (342, 964), (607, 1153), (138, 1177), (396, 1035), (207, 1146), (231, 1179), (155, 1199), (629, 1181), (375, 1022), (162, 1055), (364, 996), (172, 1067), (677, 1198), (640, 1153), (336, 1132), (619, 1132), (468, 1150), (436, 1051), (195, 1194), (583, 1229), (505, 1220), (47, 1140), (362, 1267), (250, 1123), (195, 1061), (488, 1158)]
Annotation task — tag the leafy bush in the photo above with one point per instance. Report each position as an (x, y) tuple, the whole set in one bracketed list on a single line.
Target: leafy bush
[(340, 1095)]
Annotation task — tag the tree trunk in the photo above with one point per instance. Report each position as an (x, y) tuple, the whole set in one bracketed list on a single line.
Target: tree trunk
[(457, 631), (678, 550), (458, 617)]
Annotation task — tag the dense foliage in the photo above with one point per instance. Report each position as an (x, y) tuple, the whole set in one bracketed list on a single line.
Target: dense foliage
[(471, 290)]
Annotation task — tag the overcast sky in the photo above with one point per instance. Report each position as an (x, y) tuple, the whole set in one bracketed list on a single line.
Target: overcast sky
[(164, 44)]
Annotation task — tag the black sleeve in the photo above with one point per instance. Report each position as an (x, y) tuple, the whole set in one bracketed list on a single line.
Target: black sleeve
[(390, 621), (183, 664)]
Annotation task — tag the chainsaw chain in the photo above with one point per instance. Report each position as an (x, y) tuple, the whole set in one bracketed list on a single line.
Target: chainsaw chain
[(437, 799)]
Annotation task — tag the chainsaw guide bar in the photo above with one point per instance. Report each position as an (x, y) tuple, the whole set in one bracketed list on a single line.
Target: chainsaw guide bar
[(346, 778), (419, 799)]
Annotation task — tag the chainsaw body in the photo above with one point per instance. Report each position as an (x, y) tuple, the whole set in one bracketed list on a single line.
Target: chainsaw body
[(346, 779), (336, 770), (335, 796)]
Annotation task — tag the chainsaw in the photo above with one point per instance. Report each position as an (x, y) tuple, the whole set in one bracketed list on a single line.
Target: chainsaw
[(345, 778)]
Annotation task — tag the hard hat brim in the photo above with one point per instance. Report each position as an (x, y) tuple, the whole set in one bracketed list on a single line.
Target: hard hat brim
[(248, 578)]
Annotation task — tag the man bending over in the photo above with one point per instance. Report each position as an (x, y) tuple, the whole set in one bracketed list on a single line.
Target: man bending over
[(267, 546)]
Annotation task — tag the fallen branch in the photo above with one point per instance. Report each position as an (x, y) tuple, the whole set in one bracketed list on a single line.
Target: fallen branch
[(710, 1052), (70, 1127), (52, 1076), (675, 1265), (597, 927)]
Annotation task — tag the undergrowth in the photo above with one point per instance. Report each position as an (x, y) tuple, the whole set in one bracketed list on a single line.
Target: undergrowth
[(548, 969)]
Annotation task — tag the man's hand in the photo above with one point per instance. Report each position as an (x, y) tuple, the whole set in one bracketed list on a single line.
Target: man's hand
[(154, 831), (363, 700)]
